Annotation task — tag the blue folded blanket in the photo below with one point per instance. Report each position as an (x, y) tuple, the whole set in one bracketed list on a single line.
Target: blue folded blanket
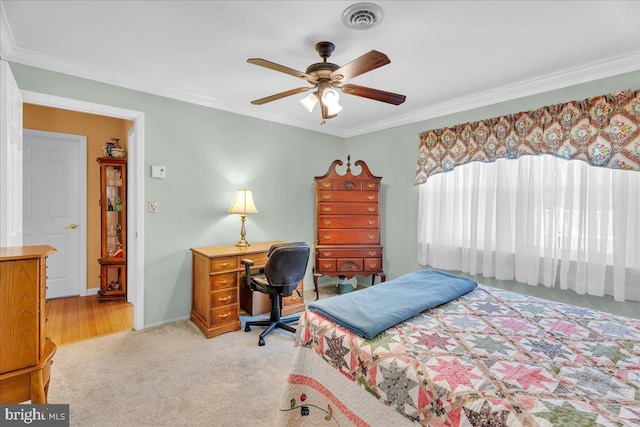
[(369, 311)]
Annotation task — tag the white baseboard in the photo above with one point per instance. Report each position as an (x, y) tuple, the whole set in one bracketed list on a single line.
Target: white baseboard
[(92, 291)]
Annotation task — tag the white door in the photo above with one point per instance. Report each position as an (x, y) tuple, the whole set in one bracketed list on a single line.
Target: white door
[(10, 159), (54, 213)]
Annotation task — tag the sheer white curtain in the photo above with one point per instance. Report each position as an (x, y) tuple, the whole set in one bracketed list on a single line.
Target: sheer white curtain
[(536, 220)]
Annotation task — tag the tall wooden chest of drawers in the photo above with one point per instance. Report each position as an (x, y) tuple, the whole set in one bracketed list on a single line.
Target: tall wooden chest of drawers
[(348, 224), (216, 279), (25, 349)]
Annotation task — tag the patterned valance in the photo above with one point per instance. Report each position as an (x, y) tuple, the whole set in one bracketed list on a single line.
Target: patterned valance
[(602, 131)]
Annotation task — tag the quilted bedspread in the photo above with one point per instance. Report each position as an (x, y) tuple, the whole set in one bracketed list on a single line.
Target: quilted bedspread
[(488, 358)]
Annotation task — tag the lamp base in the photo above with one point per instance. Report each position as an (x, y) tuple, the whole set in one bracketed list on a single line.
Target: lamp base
[(243, 244)]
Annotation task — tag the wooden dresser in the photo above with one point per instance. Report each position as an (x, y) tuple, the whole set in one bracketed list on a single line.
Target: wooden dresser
[(217, 277), (347, 224), (25, 349)]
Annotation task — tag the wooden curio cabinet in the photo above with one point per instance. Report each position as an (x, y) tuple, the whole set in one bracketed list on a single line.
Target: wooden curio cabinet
[(113, 214)]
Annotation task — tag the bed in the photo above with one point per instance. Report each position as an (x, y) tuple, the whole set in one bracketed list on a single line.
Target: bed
[(489, 357)]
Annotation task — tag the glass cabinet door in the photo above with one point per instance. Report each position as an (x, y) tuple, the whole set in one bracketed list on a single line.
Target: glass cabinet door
[(113, 213)]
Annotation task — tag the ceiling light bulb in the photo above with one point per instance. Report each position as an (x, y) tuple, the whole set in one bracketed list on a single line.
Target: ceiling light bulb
[(309, 101), (330, 97), (334, 108)]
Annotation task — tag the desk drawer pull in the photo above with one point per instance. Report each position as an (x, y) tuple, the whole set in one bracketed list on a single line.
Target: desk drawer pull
[(227, 298), (223, 282), (224, 316)]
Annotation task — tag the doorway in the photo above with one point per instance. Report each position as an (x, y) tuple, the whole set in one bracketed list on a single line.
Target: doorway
[(135, 184)]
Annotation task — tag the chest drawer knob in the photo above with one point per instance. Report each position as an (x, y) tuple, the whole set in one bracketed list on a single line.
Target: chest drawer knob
[(372, 253), (370, 185), (371, 209), (371, 236), (327, 253), (326, 184), (371, 197), (371, 222), (327, 209), (326, 196), (327, 237), (326, 265), (327, 221)]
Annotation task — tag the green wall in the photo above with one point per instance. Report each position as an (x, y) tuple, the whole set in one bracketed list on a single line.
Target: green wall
[(208, 153)]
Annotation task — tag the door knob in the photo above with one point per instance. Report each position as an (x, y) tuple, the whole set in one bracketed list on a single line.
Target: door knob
[(73, 226)]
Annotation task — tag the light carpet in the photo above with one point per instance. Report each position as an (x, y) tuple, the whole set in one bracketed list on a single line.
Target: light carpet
[(171, 375)]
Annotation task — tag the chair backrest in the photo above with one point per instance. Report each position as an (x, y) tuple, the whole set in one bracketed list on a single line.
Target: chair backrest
[(287, 264)]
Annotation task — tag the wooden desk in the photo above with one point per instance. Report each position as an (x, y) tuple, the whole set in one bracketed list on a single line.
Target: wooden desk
[(217, 275)]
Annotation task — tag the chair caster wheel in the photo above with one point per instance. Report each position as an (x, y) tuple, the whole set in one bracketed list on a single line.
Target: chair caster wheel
[(261, 342), (247, 328)]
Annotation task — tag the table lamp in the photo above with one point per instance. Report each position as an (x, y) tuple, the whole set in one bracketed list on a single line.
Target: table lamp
[(243, 205)]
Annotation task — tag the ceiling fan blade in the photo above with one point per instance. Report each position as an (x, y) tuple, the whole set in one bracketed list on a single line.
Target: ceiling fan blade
[(365, 63), (281, 95), (277, 67), (375, 94)]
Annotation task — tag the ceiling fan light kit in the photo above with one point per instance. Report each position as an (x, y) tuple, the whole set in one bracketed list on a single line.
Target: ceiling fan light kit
[(328, 78)]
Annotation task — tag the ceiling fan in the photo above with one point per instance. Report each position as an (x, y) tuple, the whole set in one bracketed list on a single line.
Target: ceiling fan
[(326, 77)]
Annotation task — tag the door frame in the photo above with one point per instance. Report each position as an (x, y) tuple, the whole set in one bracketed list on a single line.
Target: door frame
[(81, 140), (135, 188)]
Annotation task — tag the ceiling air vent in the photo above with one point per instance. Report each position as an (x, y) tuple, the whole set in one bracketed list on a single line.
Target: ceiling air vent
[(362, 16)]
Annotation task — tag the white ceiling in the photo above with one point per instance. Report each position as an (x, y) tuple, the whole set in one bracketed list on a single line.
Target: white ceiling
[(446, 56)]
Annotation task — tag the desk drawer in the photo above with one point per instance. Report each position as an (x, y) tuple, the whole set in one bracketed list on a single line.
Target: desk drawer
[(259, 260), (224, 314), (222, 264), (225, 297), (223, 281)]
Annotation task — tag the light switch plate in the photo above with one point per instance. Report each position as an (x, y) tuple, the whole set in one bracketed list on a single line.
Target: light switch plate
[(152, 206)]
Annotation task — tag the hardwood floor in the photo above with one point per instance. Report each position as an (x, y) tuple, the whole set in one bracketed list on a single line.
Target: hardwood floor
[(81, 318)]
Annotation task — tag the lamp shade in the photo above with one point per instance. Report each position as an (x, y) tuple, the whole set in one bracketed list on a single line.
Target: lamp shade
[(243, 202)]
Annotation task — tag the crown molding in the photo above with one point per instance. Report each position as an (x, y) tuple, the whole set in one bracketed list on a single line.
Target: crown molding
[(7, 42), (596, 70)]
